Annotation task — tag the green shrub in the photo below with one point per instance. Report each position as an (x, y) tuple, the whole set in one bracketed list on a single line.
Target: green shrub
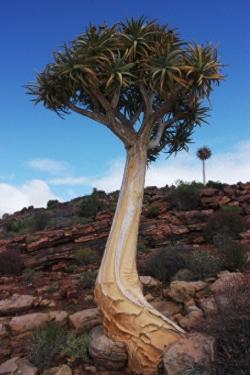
[(86, 256), (223, 224), (228, 208), (19, 226), (11, 263), (152, 212), (215, 185), (164, 264), (234, 256), (39, 221), (52, 203), (142, 246), (45, 344), (71, 268), (87, 279), (202, 264), (91, 204), (77, 347), (36, 222), (185, 196)]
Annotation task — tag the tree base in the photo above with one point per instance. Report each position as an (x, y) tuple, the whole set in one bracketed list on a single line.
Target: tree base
[(146, 332)]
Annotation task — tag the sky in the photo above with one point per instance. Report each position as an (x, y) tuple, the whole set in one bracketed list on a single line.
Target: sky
[(43, 157)]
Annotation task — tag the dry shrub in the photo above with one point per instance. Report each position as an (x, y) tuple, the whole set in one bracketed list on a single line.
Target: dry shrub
[(230, 326), (224, 223)]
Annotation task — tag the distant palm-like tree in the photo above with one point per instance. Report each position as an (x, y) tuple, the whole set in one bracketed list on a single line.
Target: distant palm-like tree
[(203, 154)]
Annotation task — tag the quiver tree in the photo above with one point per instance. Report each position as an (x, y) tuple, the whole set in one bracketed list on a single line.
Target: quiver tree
[(145, 84), (203, 154)]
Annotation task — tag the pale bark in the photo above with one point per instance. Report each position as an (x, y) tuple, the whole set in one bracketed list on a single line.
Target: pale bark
[(203, 172), (127, 316)]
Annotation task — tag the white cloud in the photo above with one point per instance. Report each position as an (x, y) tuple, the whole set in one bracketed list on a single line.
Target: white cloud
[(34, 192), (49, 165), (69, 181), (230, 167)]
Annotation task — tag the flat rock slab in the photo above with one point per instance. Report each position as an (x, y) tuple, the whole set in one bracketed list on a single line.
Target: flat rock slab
[(16, 304), (17, 366), (60, 370), (85, 319), (28, 322), (107, 354)]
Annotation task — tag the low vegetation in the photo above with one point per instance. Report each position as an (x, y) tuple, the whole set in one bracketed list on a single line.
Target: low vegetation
[(87, 279), (153, 212), (35, 222), (230, 327), (234, 256), (164, 264), (86, 256), (51, 341), (202, 264), (46, 343), (224, 223), (77, 348), (185, 196), (90, 205)]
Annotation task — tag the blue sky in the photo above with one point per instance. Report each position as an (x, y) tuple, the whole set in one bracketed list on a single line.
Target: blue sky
[(42, 156)]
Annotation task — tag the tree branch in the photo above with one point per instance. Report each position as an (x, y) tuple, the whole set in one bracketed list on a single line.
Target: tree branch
[(115, 99), (147, 98), (136, 115), (155, 142), (160, 112), (93, 116), (121, 129)]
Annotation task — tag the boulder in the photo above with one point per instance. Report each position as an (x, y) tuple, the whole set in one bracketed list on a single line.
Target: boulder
[(85, 319), (17, 366), (60, 370), (190, 320), (208, 305), (106, 353), (181, 291), (58, 316), (150, 281), (192, 350), (183, 275), (225, 280), (16, 304), (168, 308), (28, 322)]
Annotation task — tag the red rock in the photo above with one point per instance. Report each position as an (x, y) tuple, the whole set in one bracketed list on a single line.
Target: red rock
[(209, 192)]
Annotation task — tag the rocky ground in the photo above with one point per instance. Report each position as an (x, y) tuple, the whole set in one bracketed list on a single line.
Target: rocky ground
[(51, 287)]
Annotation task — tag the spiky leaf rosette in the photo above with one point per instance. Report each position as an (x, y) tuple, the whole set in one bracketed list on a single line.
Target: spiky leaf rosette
[(136, 77), (204, 153)]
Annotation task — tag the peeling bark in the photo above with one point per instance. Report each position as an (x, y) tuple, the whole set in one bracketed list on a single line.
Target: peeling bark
[(127, 316)]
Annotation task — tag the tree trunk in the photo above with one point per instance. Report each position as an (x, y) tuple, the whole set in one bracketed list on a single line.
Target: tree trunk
[(203, 172), (127, 316)]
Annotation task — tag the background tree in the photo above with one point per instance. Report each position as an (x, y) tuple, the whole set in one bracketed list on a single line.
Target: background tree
[(144, 83), (203, 154)]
